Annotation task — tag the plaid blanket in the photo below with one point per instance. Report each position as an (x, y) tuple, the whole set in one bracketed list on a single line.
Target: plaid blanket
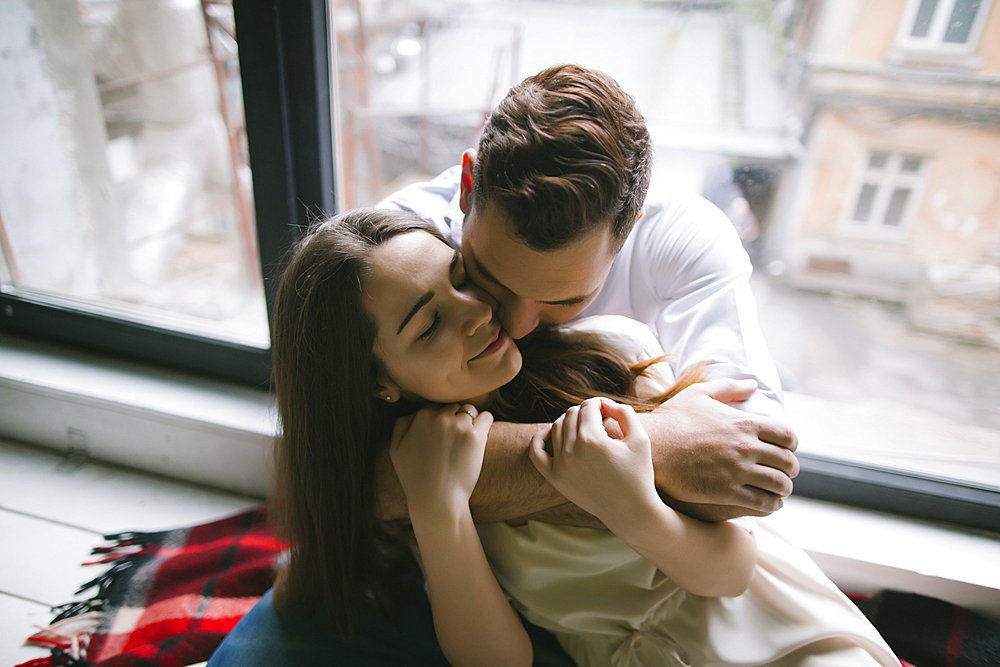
[(169, 598)]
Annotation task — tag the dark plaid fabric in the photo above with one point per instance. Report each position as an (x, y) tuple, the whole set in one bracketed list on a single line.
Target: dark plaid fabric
[(932, 633), (169, 598)]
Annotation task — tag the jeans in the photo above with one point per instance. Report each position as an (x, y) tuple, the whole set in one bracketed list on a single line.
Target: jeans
[(267, 637)]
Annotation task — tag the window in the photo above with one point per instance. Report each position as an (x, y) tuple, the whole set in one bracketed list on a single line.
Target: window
[(719, 87), (890, 414), (128, 221), (943, 25), (887, 196)]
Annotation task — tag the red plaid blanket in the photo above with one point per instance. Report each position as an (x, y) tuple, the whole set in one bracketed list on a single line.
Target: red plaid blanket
[(169, 599)]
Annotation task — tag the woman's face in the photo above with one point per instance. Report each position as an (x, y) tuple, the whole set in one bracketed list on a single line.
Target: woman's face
[(436, 333)]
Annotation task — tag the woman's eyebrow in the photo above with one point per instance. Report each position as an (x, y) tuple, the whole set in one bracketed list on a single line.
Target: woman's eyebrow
[(424, 300)]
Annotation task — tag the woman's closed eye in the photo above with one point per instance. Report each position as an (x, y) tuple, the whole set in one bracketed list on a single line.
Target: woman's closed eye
[(435, 323)]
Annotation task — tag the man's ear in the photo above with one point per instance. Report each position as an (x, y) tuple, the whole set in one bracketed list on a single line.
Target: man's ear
[(387, 393), (465, 181)]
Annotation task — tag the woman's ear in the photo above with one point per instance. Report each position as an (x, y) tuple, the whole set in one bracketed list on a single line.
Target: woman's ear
[(387, 394)]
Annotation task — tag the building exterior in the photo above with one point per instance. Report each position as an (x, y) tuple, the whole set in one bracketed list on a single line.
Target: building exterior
[(898, 194)]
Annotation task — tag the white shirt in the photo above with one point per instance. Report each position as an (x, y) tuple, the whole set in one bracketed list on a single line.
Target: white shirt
[(682, 272)]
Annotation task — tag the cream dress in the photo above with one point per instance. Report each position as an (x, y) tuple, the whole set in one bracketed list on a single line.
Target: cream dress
[(609, 606)]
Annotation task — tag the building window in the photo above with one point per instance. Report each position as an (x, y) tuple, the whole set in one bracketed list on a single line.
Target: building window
[(887, 194), (943, 25)]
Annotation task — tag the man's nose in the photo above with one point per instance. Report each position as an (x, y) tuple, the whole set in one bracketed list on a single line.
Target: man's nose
[(477, 313), (519, 317)]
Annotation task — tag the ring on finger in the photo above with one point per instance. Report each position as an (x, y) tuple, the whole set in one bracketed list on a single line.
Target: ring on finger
[(468, 412)]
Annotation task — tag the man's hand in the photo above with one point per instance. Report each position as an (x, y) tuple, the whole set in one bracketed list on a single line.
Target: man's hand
[(708, 453)]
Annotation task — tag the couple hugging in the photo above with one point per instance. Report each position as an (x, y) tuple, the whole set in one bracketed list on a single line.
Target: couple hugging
[(479, 463)]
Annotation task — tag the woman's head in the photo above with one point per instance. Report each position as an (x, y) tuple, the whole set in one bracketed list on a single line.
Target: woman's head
[(437, 338), (382, 300)]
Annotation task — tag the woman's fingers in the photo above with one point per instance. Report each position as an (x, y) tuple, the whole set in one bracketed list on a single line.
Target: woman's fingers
[(536, 452), (571, 427), (481, 424), (591, 420), (401, 427), (556, 434), (627, 420)]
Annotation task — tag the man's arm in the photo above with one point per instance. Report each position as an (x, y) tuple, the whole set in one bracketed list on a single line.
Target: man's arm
[(509, 487), (712, 461)]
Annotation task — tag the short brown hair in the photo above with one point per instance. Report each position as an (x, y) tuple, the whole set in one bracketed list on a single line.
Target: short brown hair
[(564, 152)]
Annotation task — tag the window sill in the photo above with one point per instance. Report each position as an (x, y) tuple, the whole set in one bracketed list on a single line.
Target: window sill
[(958, 59), (135, 415), (220, 435)]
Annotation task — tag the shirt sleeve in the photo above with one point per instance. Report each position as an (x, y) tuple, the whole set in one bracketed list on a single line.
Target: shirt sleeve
[(435, 201), (697, 276)]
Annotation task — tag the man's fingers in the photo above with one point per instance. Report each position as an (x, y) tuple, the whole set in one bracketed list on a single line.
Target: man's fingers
[(777, 432), (771, 480), (758, 501), (728, 390), (780, 459)]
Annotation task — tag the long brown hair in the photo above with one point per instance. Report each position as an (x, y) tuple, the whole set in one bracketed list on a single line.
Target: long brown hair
[(334, 429), (560, 370)]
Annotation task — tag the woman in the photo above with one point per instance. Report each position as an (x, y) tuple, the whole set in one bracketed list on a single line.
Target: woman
[(374, 319)]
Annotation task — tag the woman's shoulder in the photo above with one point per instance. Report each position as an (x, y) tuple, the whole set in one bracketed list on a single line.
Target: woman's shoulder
[(630, 338)]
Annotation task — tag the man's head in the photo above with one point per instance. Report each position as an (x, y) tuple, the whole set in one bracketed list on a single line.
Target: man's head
[(556, 185)]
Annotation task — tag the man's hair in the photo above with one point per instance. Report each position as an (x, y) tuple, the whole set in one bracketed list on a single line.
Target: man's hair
[(565, 152)]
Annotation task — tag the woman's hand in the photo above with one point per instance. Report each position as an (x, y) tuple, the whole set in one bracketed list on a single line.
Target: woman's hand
[(611, 478), (438, 454)]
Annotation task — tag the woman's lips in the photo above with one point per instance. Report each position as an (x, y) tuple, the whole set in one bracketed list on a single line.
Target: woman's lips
[(499, 340)]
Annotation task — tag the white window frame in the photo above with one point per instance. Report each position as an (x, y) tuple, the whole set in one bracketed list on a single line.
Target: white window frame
[(887, 180), (933, 44)]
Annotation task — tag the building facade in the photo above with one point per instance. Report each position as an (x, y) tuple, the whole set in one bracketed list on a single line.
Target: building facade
[(898, 194)]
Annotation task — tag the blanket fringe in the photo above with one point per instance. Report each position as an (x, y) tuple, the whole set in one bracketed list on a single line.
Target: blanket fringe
[(68, 636)]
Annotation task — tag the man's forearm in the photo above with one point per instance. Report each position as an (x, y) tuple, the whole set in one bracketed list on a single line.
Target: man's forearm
[(509, 487)]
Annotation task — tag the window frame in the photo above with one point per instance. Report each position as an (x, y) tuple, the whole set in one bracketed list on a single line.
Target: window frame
[(285, 59), (887, 181), (285, 73), (934, 42)]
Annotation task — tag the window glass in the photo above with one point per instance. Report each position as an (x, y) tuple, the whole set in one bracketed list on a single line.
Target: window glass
[(925, 14), (867, 196), (125, 188), (863, 211), (960, 22)]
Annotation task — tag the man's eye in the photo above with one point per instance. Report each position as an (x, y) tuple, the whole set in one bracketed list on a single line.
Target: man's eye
[(435, 323)]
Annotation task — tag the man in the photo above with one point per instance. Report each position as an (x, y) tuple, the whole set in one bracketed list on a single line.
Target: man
[(550, 220), (549, 216)]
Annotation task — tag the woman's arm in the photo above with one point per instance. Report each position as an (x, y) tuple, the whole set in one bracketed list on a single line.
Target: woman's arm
[(613, 480), (438, 454)]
